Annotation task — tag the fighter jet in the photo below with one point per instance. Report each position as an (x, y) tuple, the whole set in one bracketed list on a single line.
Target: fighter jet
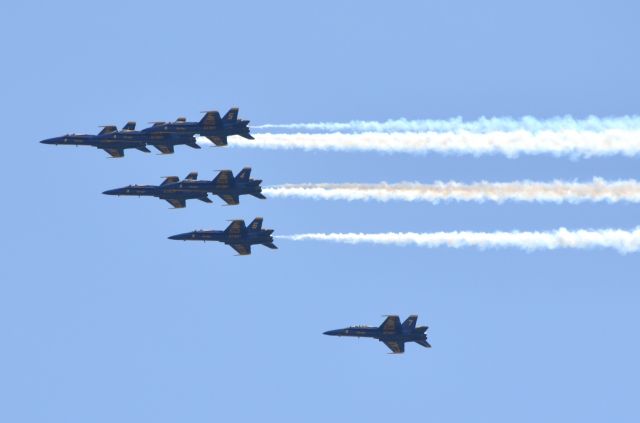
[(166, 135), (237, 235), (177, 192), (109, 139), (390, 332)]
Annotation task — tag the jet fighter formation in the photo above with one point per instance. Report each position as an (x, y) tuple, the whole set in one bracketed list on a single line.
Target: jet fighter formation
[(165, 136)]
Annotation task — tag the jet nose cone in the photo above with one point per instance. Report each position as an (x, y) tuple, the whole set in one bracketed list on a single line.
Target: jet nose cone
[(110, 192), (331, 332), (180, 237), (48, 141)]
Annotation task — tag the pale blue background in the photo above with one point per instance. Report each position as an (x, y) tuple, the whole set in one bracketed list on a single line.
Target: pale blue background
[(102, 319)]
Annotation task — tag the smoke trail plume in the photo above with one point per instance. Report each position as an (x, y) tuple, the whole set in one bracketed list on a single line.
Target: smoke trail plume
[(528, 191), (511, 144), (619, 240), (482, 125)]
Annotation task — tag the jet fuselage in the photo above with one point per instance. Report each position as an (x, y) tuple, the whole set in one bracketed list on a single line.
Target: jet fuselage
[(249, 237), (417, 334), (120, 140)]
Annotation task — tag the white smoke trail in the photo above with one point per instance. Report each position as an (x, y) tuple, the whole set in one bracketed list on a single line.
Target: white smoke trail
[(484, 124), (511, 144), (529, 191), (619, 240)]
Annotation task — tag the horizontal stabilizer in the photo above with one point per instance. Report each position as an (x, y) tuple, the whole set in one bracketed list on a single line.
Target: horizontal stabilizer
[(424, 344), (108, 129), (259, 195), (193, 145), (270, 245), (143, 149), (205, 199)]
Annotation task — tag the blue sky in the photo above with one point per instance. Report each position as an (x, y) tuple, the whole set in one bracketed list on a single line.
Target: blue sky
[(103, 319)]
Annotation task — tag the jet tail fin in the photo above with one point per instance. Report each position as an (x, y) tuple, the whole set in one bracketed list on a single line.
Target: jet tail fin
[(424, 343), (244, 175), (256, 224), (410, 322), (129, 126), (231, 115)]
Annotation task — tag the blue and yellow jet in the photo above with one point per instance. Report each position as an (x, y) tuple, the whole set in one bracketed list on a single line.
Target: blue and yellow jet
[(237, 235), (109, 139), (390, 332)]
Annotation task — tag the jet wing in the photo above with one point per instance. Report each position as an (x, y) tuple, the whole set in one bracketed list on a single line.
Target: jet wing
[(396, 347), (177, 203), (231, 200), (164, 149), (115, 152), (223, 179), (218, 140), (108, 129), (242, 249), (390, 324), (211, 120), (236, 227), (170, 180)]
